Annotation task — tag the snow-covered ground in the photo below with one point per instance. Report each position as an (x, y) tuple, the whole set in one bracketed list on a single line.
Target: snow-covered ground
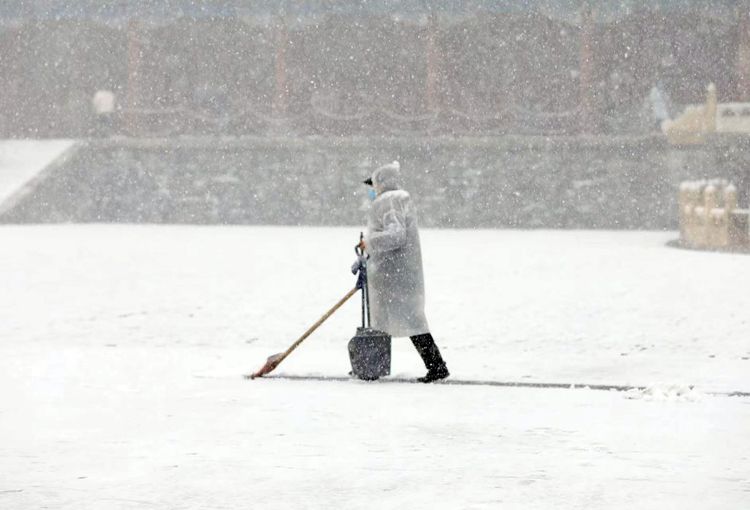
[(22, 160), (121, 350)]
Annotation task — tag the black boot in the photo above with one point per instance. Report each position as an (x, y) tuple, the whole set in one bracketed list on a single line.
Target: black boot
[(430, 354)]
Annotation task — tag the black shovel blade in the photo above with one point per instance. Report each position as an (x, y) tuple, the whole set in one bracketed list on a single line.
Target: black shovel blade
[(370, 354)]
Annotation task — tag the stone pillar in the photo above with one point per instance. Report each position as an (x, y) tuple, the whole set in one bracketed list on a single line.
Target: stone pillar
[(685, 210), (731, 237), (730, 198), (710, 201), (587, 93), (431, 99), (135, 67), (712, 103), (691, 202), (281, 91), (11, 83), (743, 52)]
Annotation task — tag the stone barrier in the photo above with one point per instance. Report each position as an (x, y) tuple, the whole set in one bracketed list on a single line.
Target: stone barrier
[(710, 217)]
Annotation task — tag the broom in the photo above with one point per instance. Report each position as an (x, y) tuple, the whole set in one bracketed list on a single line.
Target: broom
[(274, 361)]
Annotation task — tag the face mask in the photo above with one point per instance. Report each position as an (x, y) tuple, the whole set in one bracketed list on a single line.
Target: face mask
[(372, 194)]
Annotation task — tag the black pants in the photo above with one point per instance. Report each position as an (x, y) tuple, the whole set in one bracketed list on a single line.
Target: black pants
[(429, 352)]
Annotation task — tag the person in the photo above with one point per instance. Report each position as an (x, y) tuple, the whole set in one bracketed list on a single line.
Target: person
[(396, 281), (103, 104), (658, 103)]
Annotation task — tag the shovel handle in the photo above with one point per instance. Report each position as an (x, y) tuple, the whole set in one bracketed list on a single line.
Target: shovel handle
[(359, 248)]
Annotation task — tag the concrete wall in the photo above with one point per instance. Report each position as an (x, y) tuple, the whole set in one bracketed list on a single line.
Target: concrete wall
[(529, 182)]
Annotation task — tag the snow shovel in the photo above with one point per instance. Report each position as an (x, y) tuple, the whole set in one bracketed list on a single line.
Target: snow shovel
[(274, 361), (370, 349)]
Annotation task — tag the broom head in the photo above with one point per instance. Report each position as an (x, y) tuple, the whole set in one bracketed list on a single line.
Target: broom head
[(271, 363)]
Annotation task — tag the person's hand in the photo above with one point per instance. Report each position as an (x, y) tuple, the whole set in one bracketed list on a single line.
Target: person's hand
[(362, 245)]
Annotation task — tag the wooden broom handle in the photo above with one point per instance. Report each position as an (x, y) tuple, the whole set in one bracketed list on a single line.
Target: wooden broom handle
[(317, 324)]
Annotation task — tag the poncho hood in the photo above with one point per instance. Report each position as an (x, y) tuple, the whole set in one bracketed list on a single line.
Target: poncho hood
[(387, 177)]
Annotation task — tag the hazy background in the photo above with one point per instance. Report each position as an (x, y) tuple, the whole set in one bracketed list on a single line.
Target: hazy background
[(503, 114)]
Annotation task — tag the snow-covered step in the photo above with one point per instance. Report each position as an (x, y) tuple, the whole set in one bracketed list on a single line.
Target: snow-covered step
[(23, 160)]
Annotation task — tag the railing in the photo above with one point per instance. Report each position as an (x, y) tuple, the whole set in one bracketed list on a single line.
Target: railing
[(710, 217), (319, 118)]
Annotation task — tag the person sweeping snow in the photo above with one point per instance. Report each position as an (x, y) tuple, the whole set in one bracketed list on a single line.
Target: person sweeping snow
[(396, 281)]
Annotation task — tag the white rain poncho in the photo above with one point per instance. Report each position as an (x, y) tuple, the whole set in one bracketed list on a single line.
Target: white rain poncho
[(396, 281)]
